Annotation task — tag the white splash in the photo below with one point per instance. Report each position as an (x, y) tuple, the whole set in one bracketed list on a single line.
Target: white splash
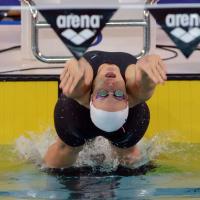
[(98, 152), (95, 153), (33, 147)]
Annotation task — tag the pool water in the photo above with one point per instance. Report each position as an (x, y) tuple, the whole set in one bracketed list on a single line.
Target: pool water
[(176, 174)]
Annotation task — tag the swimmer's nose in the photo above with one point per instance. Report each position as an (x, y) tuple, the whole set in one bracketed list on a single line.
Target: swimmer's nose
[(110, 84)]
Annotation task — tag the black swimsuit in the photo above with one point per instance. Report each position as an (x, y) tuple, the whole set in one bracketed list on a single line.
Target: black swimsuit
[(72, 120)]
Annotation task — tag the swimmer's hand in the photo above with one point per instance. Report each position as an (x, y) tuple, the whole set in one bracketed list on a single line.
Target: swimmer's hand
[(143, 77), (150, 70), (75, 78)]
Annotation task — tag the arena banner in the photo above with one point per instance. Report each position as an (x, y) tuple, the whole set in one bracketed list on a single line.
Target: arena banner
[(181, 25), (78, 28)]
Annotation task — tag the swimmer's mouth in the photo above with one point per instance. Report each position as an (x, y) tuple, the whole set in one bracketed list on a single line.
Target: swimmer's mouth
[(110, 75)]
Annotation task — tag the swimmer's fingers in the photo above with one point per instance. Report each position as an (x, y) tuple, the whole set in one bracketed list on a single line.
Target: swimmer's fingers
[(153, 68), (156, 72), (66, 88), (71, 70), (73, 78), (158, 68), (69, 83), (88, 77), (64, 79), (70, 66), (77, 80), (161, 74), (64, 71), (144, 72), (148, 73), (162, 69), (65, 76)]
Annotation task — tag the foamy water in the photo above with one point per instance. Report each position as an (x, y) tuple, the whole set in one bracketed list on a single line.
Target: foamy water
[(97, 152), (25, 181)]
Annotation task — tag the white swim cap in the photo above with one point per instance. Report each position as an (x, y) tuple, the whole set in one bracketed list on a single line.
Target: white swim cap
[(108, 121)]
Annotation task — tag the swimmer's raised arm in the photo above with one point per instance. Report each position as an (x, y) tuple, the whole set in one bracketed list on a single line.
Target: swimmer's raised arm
[(142, 77), (76, 79)]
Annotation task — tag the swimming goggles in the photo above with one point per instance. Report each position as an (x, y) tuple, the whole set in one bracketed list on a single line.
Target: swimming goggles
[(118, 94)]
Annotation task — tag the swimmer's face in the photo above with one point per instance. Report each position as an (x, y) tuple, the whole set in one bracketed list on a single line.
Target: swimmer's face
[(109, 78)]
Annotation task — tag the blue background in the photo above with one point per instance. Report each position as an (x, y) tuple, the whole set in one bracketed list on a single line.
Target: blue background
[(179, 1), (9, 2), (17, 2)]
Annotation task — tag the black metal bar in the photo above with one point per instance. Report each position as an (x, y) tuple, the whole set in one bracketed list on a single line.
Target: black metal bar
[(19, 77), (29, 77)]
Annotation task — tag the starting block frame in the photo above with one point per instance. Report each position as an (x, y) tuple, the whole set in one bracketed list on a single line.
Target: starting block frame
[(37, 25)]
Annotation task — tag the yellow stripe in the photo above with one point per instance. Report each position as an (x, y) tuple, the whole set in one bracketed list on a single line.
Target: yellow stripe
[(25, 107), (175, 110), (28, 106)]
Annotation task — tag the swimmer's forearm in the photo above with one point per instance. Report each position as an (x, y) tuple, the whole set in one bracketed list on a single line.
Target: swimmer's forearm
[(143, 77), (145, 88), (140, 91), (60, 155)]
